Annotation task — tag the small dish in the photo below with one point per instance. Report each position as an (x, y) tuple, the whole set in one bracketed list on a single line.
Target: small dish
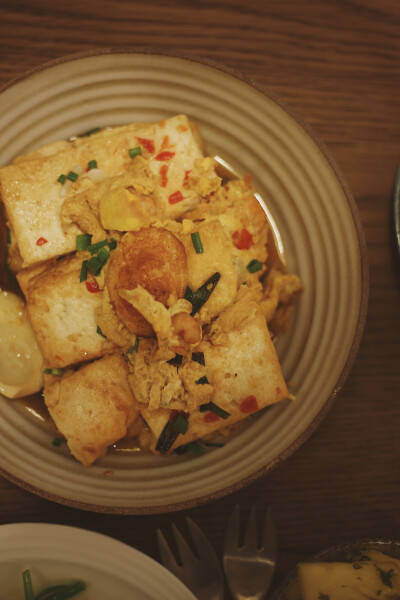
[(313, 209), (57, 554), (288, 589)]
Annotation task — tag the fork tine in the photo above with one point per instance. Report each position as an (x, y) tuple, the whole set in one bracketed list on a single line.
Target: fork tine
[(232, 531), (185, 553), (250, 539), (167, 558), (269, 534), (202, 545)]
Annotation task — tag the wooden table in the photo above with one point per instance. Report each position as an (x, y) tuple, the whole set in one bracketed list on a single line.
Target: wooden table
[(337, 63)]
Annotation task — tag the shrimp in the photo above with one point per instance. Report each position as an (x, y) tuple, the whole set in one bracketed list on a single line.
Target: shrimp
[(153, 258)]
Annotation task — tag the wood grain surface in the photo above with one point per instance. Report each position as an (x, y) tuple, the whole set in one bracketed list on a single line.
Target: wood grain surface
[(337, 64)]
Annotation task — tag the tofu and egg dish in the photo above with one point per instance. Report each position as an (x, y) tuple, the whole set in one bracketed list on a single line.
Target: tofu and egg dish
[(148, 286)]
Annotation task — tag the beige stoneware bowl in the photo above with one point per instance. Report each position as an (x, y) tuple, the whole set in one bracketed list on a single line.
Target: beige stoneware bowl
[(314, 212)]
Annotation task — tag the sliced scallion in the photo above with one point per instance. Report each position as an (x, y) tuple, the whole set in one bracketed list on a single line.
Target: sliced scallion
[(181, 424), (28, 590), (112, 244), (202, 381), (198, 246), (53, 371), (188, 293), (214, 408), (62, 179), (191, 448), (72, 176), (61, 592), (103, 256), (93, 248), (83, 241), (202, 294), (92, 164), (167, 438), (135, 151), (94, 265), (254, 266), (90, 132), (84, 269), (199, 357)]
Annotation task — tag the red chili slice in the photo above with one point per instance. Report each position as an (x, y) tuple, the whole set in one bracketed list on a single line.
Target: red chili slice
[(164, 176), (210, 417), (92, 286), (175, 197), (243, 240), (164, 156), (249, 404), (186, 178), (147, 144), (41, 241)]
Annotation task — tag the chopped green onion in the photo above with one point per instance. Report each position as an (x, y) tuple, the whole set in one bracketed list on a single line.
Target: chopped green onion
[(57, 441), (72, 176), (133, 348), (181, 424), (112, 244), (83, 241), (167, 438), (28, 590), (199, 357), (99, 331), (176, 361), (84, 267), (61, 592), (188, 293), (203, 380), (198, 246), (62, 179), (103, 256), (94, 265), (191, 448), (92, 164), (214, 444), (254, 266), (217, 410), (90, 132), (135, 151), (53, 371), (202, 294), (93, 248)]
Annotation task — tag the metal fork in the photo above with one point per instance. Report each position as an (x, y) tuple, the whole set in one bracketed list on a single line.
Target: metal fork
[(202, 574), (248, 566)]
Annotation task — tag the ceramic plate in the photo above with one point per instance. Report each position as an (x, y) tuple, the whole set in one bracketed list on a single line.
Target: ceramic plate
[(289, 589), (313, 210), (58, 554)]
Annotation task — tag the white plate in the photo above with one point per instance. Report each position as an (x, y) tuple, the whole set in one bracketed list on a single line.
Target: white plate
[(315, 214), (59, 554)]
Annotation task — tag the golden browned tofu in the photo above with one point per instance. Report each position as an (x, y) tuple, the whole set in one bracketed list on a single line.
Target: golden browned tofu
[(241, 366), (92, 407), (62, 310), (33, 196)]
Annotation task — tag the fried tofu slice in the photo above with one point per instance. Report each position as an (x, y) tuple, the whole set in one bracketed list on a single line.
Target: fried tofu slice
[(33, 196), (216, 257), (242, 367), (62, 311), (92, 407)]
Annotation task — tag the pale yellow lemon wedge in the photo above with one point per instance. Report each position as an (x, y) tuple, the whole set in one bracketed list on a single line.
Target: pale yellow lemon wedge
[(21, 362)]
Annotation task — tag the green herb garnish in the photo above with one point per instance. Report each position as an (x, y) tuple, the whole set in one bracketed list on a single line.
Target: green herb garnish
[(84, 269), (72, 176), (92, 164), (62, 179), (214, 408), (83, 241), (181, 424), (99, 331), (254, 266), (94, 265), (188, 293), (112, 244), (135, 151), (53, 371), (93, 248), (203, 380), (90, 132), (103, 256), (199, 357), (28, 590), (198, 246), (61, 592), (202, 294)]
